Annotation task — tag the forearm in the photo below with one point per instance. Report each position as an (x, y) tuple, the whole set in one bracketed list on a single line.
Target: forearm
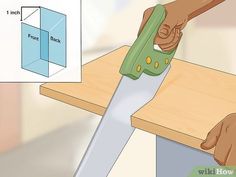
[(196, 7)]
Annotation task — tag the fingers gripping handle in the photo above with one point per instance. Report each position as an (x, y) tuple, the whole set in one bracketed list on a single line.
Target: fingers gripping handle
[(142, 57)]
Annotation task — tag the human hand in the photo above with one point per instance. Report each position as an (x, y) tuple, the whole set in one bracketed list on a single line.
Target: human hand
[(170, 32), (223, 138)]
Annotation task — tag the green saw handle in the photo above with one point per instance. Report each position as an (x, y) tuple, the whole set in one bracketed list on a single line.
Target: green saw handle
[(142, 57)]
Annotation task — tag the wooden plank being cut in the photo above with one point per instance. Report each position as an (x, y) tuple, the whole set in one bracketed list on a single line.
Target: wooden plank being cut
[(190, 102), (99, 81)]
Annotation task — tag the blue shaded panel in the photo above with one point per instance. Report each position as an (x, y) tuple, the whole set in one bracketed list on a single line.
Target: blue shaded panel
[(55, 24), (44, 45), (31, 42), (30, 45), (178, 160)]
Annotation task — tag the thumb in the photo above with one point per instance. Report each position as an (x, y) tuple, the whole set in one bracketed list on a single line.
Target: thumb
[(166, 27), (212, 137)]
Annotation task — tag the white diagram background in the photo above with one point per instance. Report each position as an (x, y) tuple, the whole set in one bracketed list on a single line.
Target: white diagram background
[(10, 42)]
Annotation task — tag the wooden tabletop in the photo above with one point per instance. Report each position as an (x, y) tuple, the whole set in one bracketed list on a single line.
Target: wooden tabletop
[(190, 102)]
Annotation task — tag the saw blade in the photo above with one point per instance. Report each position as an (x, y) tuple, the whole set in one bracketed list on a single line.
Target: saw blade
[(115, 130)]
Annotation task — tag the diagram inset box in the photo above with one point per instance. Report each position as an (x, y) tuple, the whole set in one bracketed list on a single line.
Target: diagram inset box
[(43, 41)]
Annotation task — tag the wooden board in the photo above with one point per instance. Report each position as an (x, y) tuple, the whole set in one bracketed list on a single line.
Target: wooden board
[(190, 102)]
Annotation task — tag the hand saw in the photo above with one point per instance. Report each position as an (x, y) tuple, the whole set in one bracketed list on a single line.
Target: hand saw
[(143, 70)]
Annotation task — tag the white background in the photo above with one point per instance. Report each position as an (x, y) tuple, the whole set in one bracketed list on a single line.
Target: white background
[(10, 42)]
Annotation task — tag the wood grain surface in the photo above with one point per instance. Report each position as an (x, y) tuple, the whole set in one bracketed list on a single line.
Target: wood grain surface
[(190, 102)]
